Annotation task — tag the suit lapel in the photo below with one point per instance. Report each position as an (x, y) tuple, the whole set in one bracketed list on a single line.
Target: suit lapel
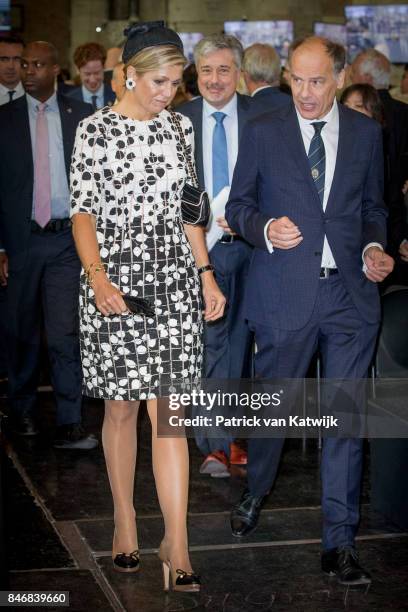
[(197, 120), (68, 126), (22, 135), (243, 103), (344, 149), (292, 137)]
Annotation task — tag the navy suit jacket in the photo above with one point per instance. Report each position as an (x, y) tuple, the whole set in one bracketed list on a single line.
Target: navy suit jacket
[(194, 111), (272, 178), (109, 96), (269, 99), (17, 168)]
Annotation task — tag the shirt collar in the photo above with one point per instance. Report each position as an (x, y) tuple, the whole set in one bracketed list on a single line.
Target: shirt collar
[(51, 102), (18, 89), (87, 95), (330, 117), (230, 109), (260, 89)]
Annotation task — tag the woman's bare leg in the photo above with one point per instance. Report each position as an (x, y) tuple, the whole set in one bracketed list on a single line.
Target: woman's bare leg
[(119, 438), (171, 471)]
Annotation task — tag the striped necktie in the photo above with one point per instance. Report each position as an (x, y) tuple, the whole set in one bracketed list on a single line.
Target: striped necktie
[(317, 158)]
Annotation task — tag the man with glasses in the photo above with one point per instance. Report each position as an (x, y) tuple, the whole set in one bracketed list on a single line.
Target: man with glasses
[(39, 262), (11, 49)]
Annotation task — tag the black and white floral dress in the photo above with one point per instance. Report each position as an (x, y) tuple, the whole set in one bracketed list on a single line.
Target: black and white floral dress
[(130, 174)]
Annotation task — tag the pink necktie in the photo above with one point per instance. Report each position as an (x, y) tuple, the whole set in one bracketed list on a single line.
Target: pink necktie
[(42, 179)]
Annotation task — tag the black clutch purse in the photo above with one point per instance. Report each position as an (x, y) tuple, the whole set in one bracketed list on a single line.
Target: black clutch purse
[(140, 306), (195, 203)]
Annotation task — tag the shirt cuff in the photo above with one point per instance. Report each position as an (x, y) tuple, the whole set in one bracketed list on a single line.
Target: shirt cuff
[(269, 244), (368, 246)]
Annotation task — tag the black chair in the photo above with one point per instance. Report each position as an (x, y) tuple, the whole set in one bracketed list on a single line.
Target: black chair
[(389, 457)]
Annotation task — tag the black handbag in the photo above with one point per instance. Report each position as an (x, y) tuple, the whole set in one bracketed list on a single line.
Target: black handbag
[(195, 203)]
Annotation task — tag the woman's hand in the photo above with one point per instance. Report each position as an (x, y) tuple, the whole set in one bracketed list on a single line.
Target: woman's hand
[(108, 298), (214, 300)]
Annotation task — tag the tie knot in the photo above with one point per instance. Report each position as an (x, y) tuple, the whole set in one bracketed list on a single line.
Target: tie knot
[(41, 107), (318, 126), (219, 116)]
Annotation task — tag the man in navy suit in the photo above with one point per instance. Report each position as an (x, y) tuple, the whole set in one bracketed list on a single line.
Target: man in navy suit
[(89, 59), (39, 261), (313, 210), (218, 118), (261, 70)]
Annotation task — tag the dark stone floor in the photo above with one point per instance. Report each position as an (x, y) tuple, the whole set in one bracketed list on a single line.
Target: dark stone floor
[(58, 514)]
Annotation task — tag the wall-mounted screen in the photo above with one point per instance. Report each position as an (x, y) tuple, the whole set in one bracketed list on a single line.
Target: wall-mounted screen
[(279, 34), (5, 16), (384, 27), (190, 39), (333, 31)]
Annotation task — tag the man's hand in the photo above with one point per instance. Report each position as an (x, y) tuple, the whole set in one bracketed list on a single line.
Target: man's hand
[(403, 251), (284, 234), (3, 269), (378, 263), (221, 221)]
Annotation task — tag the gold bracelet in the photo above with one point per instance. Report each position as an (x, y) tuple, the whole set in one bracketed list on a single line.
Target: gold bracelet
[(92, 270)]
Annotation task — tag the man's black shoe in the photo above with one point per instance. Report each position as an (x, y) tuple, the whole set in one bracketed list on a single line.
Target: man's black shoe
[(24, 425), (245, 514), (343, 563), (74, 437)]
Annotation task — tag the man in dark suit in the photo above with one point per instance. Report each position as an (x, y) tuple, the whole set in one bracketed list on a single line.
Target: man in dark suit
[(218, 118), (374, 68), (89, 60), (261, 70), (39, 261), (313, 210)]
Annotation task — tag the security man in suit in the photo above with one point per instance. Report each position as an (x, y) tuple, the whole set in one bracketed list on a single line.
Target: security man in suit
[(39, 261), (261, 69), (313, 210)]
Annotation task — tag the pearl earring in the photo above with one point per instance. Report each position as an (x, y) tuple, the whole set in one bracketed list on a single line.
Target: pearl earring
[(130, 83)]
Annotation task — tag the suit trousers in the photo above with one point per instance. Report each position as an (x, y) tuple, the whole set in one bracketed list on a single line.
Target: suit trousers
[(346, 343), (228, 341), (46, 290)]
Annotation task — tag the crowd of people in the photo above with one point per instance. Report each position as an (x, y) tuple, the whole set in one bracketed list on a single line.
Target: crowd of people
[(308, 223)]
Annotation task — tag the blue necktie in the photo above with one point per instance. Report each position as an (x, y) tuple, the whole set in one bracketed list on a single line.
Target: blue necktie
[(219, 154), (317, 158)]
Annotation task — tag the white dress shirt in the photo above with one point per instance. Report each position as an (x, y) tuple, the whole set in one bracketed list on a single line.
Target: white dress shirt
[(231, 130), (99, 93), (4, 93), (330, 137)]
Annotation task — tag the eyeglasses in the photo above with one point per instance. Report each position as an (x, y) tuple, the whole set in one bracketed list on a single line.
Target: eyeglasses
[(5, 59)]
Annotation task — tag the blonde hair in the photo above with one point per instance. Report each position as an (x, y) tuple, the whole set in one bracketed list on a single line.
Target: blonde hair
[(154, 58)]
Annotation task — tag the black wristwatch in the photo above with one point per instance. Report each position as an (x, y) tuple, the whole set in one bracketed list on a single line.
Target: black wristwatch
[(205, 269)]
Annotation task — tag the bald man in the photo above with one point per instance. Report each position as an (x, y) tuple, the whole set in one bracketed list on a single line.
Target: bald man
[(38, 261)]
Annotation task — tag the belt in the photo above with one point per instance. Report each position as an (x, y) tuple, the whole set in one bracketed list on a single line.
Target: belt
[(53, 226), (228, 238), (326, 272)]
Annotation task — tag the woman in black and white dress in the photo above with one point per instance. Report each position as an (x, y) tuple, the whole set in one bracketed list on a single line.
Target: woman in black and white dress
[(128, 172)]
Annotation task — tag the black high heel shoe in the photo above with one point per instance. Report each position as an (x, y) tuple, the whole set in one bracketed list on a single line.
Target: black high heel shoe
[(187, 582), (127, 563)]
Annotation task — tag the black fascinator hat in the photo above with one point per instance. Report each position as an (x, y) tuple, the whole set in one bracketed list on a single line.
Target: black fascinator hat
[(148, 34)]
